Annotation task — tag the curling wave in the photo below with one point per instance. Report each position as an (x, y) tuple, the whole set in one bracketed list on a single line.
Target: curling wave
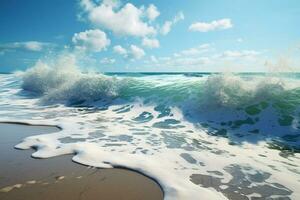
[(65, 83)]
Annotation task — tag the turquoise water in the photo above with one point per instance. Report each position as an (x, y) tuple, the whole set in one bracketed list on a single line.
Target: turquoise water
[(268, 104), (245, 123)]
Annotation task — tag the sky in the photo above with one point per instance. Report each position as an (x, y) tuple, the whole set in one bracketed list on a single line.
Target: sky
[(152, 35)]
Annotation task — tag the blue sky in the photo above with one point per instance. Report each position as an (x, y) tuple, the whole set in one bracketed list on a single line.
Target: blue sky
[(112, 35)]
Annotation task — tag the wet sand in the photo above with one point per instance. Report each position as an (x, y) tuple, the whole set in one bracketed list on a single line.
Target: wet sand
[(23, 177)]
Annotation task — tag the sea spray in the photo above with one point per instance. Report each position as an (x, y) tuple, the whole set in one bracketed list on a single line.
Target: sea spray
[(63, 82), (209, 126), (44, 77), (170, 127), (258, 101)]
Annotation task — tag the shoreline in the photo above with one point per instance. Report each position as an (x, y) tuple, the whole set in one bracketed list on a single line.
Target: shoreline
[(29, 124), (22, 175)]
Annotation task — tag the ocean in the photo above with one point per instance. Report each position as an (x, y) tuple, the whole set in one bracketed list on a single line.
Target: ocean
[(199, 135)]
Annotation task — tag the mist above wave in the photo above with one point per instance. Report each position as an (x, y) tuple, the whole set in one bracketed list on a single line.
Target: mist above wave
[(63, 81), (233, 91)]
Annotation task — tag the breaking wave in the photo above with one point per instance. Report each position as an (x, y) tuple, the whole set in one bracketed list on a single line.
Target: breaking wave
[(208, 124), (63, 82), (255, 101)]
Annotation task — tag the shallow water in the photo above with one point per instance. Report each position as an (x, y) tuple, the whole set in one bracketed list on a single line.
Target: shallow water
[(22, 177), (221, 136)]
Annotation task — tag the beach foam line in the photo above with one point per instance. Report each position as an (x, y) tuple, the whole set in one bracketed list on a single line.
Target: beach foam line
[(130, 183)]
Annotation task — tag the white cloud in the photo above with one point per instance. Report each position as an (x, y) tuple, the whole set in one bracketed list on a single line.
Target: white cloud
[(113, 3), (91, 40), (178, 17), (191, 61), (195, 50), (240, 40), (27, 46), (127, 20), (153, 59), (120, 50), (240, 54), (166, 28), (33, 46), (108, 61), (136, 52), (211, 26), (187, 63), (206, 58), (152, 12), (151, 43), (87, 5)]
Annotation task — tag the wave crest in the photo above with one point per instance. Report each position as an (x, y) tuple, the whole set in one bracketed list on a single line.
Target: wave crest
[(234, 91), (62, 81)]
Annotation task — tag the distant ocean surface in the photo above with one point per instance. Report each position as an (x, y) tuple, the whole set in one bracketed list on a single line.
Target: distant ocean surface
[(200, 135)]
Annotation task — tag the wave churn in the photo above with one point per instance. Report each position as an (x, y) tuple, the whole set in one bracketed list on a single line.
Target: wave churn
[(179, 129)]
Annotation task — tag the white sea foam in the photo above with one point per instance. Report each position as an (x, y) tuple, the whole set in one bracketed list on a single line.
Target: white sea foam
[(162, 126)]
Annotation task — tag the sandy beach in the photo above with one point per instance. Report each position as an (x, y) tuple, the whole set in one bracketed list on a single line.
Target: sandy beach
[(23, 177)]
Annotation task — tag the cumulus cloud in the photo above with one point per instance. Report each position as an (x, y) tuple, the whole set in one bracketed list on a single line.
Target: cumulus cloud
[(166, 28), (136, 52), (152, 12), (150, 43), (211, 26), (34, 46), (126, 20), (120, 50), (91, 40)]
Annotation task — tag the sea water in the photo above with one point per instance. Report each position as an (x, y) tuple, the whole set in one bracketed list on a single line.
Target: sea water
[(199, 135)]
